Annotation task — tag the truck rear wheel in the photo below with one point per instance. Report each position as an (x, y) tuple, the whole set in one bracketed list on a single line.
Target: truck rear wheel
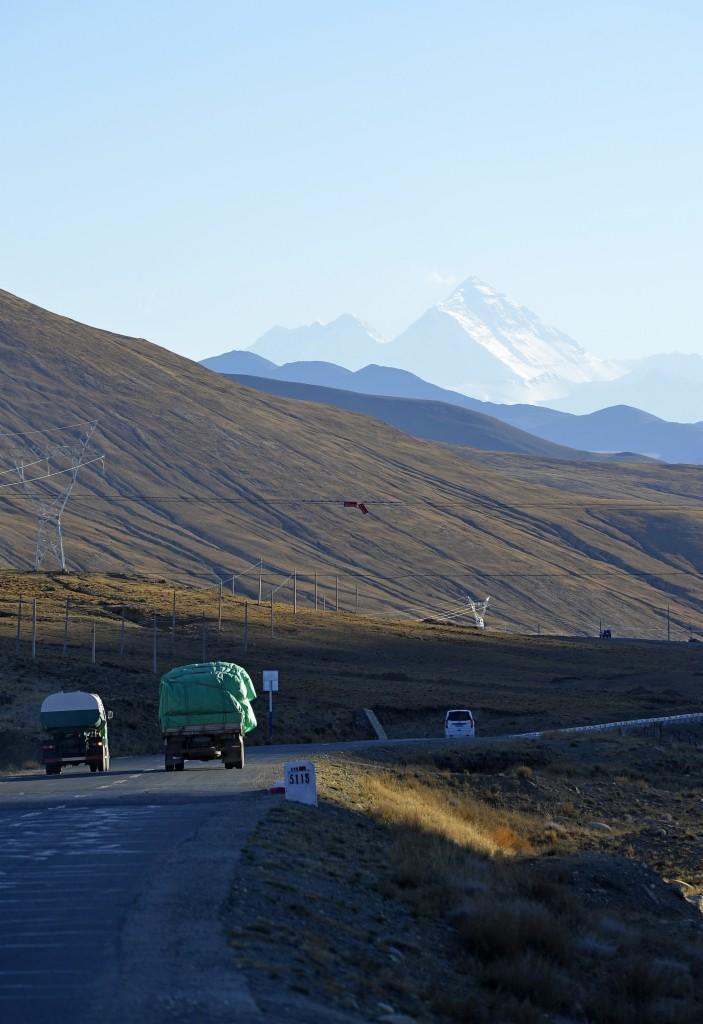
[(233, 757), (93, 766), (180, 765), (168, 767), (53, 769)]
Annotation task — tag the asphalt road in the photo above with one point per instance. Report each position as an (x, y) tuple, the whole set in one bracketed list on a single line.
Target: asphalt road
[(82, 856)]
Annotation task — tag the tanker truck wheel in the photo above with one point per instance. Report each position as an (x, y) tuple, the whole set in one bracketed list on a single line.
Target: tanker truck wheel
[(93, 766), (180, 766), (168, 767)]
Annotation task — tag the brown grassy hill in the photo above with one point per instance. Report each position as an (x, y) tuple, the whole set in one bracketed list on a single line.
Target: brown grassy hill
[(203, 474)]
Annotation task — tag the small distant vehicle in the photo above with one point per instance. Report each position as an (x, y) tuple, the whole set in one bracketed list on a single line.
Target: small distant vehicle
[(74, 732), (459, 724), (606, 634)]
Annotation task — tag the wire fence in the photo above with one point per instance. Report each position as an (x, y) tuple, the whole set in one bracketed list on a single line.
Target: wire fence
[(149, 623)]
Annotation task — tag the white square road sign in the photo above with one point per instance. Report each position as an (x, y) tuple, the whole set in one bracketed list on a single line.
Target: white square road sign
[(271, 681)]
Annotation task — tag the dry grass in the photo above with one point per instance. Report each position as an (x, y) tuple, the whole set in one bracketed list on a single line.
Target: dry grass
[(400, 801), (530, 935)]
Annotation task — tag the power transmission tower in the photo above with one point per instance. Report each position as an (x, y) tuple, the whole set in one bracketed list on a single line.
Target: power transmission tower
[(479, 610), (60, 463)]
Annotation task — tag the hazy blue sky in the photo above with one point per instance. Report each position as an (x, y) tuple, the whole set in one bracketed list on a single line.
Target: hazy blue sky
[(196, 172)]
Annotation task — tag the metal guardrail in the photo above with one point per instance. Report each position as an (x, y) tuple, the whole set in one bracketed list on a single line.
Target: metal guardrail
[(632, 723)]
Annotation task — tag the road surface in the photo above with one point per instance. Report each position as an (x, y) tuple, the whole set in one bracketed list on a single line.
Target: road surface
[(111, 889)]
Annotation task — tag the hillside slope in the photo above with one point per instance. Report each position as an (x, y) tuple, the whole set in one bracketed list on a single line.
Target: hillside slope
[(433, 421), (615, 429), (204, 475)]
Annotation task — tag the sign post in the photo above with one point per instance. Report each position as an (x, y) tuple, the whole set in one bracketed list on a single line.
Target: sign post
[(270, 686)]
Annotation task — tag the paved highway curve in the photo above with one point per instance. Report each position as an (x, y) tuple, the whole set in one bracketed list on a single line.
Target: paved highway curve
[(81, 855)]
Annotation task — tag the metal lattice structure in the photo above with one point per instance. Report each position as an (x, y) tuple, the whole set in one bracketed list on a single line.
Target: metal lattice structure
[(54, 468), (478, 609)]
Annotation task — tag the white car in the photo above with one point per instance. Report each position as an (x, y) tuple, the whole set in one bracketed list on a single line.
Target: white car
[(459, 724)]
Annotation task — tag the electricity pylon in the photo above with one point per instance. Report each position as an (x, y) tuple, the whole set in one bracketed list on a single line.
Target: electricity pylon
[(479, 610), (60, 462)]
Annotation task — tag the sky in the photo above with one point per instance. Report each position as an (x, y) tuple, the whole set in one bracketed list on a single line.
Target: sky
[(196, 172)]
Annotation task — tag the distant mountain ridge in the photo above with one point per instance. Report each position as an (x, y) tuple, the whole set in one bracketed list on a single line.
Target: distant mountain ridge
[(349, 340), (429, 420), (476, 341), (615, 429)]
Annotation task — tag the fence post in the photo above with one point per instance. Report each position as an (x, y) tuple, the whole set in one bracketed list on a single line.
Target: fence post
[(19, 626), (315, 589), (232, 584), (34, 628), (153, 656), (219, 609), (336, 593), (122, 633), (92, 657), (65, 628), (295, 591), (246, 626)]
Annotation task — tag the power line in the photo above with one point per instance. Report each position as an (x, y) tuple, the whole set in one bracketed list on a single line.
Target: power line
[(47, 476), (612, 505), (49, 430)]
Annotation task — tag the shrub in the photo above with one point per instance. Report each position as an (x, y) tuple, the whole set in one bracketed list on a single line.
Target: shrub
[(494, 930)]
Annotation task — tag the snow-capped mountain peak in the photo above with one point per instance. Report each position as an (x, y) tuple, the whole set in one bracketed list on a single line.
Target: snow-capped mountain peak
[(480, 342), (477, 341)]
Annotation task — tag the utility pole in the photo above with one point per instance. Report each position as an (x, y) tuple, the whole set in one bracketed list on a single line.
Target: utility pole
[(92, 653), (272, 613), (173, 624), (336, 593), (65, 628), (356, 599), (668, 622), (315, 589), (219, 609), (246, 626), (153, 650), (295, 591), (19, 626), (34, 628)]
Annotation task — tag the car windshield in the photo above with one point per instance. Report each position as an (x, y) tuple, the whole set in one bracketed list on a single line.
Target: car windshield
[(458, 716)]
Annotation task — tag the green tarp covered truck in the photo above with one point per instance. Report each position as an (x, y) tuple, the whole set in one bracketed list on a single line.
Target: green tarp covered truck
[(74, 732), (204, 712)]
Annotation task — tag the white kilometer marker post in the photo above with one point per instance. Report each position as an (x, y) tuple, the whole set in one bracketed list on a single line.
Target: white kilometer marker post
[(301, 782), (270, 686)]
